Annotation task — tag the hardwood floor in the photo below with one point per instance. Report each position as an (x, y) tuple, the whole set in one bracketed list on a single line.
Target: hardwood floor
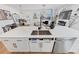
[(3, 49)]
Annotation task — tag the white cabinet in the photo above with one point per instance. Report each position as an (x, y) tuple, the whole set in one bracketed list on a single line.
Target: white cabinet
[(63, 45), (17, 44), (34, 45), (9, 44), (41, 45), (47, 45), (22, 45), (59, 46)]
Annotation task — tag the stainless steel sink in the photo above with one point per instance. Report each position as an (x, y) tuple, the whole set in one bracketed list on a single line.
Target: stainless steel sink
[(40, 32)]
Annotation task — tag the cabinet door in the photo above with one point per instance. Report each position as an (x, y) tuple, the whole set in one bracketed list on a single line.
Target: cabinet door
[(59, 46), (68, 43), (22, 45), (17, 44), (34, 45), (10, 44), (63, 45), (47, 45)]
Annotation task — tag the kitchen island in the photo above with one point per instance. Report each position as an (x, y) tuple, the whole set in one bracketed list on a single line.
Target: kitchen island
[(21, 40)]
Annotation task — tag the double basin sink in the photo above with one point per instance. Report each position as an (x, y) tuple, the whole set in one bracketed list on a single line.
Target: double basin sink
[(40, 32)]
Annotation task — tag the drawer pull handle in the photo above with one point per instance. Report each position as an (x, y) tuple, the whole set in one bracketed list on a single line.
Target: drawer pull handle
[(19, 40), (6, 40), (14, 45)]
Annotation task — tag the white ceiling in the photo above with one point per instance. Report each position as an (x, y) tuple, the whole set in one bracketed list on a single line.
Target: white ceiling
[(35, 6), (28, 9)]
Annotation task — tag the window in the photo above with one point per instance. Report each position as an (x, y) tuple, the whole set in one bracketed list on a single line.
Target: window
[(65, 15)]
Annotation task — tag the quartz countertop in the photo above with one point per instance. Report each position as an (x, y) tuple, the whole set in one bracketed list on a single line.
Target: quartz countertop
[(25, 31)]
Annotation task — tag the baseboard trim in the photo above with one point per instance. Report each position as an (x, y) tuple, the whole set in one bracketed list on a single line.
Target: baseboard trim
[(31, 53)]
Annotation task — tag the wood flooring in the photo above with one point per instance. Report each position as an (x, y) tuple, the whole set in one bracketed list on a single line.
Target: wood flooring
[(3, 49)]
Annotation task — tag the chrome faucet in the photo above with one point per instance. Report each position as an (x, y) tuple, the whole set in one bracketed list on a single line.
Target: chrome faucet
[(40, 24)]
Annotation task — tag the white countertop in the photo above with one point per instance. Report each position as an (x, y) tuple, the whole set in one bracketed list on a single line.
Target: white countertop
[(25, 31), (62, 31)]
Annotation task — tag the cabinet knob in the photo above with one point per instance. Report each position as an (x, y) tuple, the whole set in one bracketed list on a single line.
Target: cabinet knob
[(40, 39), (52, 38)]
